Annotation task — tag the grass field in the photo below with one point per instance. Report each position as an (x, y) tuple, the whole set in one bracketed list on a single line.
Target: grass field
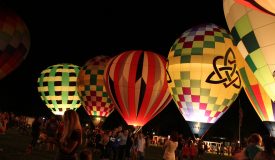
[(14, 146)]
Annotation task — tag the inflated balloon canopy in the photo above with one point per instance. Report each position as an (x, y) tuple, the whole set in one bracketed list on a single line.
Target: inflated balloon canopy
[(14, 41), (92, 91), (203, 70), (57, 86), (136, 82)]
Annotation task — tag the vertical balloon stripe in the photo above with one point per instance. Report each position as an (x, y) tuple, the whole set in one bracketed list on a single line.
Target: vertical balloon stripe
[(51, 90), (150, 74), (118, 71), (158, 103), (257, 100), (65, 84), (134, 76), (156, 100), (140, 81)]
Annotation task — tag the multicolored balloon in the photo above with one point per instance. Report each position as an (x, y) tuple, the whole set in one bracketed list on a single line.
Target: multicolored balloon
[(91, 89), (260, 101), (136, 83), (57, 86), (253, 34), (266, 6), (14, 41), (205, 80)]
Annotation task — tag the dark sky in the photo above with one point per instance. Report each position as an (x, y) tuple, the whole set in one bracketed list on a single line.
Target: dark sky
[(73, 32)]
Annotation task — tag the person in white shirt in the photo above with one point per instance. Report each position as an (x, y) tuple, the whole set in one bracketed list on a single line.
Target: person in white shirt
[(170, 148)]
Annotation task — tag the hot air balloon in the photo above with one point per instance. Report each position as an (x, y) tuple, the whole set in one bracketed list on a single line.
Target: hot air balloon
[(57, 86), (92, 92), (14, 41), (259, 99), (136, 83), (253, 32), (203, 74)]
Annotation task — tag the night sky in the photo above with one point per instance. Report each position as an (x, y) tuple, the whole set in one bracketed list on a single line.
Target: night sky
[(74, 32)]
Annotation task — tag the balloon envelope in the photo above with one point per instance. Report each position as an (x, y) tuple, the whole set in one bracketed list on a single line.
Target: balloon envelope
[(57, 86), (205, 81), (14, 41), (92, 91), (136, 83), (253, 33), (259, 99)]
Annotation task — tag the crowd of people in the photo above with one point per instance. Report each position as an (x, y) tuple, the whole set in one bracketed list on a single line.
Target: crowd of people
[(71, 141)]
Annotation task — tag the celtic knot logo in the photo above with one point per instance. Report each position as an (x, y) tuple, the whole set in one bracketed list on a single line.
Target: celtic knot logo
[(231, 75)]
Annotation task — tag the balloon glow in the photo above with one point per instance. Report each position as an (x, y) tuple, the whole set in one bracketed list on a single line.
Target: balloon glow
[(253, 33), (136, 83), (57, 86), (14, 42), (91, 89), (205, 81), (260, 101)]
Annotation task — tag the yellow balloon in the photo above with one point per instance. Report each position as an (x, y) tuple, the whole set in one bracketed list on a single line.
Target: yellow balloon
[(205, 80)]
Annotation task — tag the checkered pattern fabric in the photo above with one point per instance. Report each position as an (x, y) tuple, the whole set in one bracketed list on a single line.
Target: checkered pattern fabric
[(14, 42), (253, 33), (190, 63), (57, 86), (260, 101), (91, 89)]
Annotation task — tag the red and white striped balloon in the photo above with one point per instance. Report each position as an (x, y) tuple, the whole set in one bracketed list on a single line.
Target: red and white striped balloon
[(136, 82)]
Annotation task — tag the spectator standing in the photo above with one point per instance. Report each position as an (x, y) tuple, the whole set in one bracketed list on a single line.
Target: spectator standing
[(170, 148), (71, 137)]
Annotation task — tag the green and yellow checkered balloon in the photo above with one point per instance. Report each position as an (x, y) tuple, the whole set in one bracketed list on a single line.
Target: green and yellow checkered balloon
[(57, 86)]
